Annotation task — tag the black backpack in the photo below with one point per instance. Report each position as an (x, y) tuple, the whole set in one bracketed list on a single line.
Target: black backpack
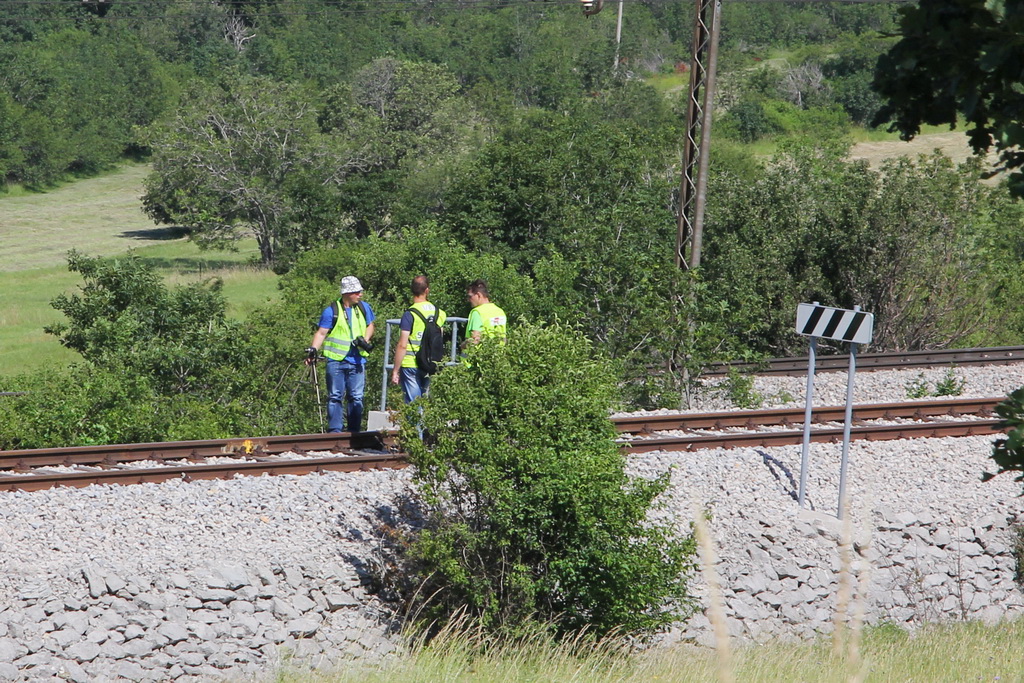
[(431, 351)]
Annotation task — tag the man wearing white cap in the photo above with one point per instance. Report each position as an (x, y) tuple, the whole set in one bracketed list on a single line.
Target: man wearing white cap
[(345, 330)]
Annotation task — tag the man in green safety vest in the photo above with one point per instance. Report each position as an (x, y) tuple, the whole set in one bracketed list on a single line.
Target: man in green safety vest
[(414, 381), (345, 330), (486, 320)]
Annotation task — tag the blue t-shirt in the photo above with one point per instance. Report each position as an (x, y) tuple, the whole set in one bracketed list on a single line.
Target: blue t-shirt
[(327, 321)]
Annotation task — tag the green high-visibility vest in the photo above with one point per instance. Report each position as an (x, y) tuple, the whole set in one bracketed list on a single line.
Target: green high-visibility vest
[(416, 335), (339, 339), (490, 320)]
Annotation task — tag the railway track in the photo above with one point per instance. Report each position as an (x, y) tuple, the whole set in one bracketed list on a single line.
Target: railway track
[(797, 365), (931, 419), (37, 469), (750, 419)]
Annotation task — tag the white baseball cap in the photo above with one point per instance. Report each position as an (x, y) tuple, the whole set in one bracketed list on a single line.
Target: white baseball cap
[(350, 284)]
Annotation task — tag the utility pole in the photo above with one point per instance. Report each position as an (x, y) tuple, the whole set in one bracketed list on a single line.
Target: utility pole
[(693, 184), (618, 39), (697, 145)]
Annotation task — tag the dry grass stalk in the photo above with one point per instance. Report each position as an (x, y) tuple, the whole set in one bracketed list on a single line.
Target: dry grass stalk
[(839, 617), (857, 668), (716, 605)]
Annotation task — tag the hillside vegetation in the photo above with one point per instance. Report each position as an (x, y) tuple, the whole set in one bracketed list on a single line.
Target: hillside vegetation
[(464, 140), (470, 141)]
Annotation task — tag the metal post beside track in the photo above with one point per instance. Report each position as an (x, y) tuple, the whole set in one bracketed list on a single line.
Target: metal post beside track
[(846, 424), (855, 327), (808, 407)]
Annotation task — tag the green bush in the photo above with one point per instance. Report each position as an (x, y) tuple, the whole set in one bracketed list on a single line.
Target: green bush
[(748, 121), (739, 389), (531, 517), (1008, 451), (162, 363), (81, 405)]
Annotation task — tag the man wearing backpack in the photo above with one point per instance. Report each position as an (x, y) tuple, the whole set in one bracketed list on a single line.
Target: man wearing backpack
[(344, 333), (410, 367)]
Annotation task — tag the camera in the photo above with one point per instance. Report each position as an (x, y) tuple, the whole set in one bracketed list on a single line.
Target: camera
[(362, 344)]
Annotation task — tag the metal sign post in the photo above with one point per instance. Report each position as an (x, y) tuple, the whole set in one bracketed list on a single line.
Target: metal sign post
[(808, 402), (855, 327), (846, 427)]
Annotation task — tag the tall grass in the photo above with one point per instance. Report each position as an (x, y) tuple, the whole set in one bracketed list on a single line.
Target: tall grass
[(940, 654)]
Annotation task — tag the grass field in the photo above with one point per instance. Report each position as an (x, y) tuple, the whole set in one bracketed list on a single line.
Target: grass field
[(99, 217)]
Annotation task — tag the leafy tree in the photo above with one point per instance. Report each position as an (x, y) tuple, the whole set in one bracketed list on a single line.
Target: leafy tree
[(749, 121), (849, 73), (80, 96), (248, 157), (749, 26), (531, 512), (581, 202), (959, 58), (11, 155), (561, 182)]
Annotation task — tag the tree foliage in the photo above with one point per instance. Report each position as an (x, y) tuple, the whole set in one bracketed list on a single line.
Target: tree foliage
[(1008, 451), (959, 58), (415, 125), (77, 97), (582, 202), (913, 243), (531, 512), (248, 157)]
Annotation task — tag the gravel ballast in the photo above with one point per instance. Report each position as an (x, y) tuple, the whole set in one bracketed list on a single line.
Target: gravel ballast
[(192, 581)]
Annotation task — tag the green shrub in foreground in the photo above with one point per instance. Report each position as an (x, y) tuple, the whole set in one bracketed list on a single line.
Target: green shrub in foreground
[(530, 513)]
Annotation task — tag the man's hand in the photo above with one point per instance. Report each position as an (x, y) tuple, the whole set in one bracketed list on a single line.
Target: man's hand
[(311, 355), (394, 376)]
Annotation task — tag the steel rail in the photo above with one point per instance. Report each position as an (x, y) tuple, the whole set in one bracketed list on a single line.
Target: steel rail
[(644, 424), (38, 480), (827, 434), (797, 365), (115, 454)]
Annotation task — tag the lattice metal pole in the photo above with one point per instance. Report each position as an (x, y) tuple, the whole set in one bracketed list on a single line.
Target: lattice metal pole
[(696, 146)]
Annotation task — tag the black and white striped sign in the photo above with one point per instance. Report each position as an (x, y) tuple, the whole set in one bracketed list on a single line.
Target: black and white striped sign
[(835, 323)]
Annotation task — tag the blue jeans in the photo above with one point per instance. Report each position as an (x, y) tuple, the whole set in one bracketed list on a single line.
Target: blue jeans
[(415, 383), (345, 381)]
